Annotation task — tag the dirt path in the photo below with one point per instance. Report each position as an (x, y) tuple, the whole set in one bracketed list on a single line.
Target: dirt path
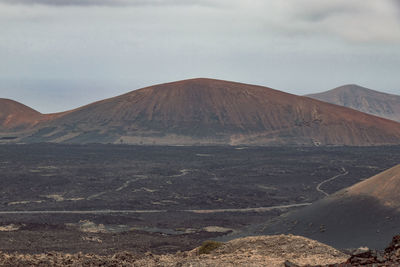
[(126, 183), (318, 188), (183, 172), (260, 209), (78, 211), (123, 186)]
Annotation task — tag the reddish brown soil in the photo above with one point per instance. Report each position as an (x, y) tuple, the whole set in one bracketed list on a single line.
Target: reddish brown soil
[(14, 115), (385, 187), (206, 111)]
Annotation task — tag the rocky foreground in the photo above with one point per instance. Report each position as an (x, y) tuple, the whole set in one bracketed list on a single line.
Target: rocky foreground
[(278, 250), (249, 251), (366, 257)]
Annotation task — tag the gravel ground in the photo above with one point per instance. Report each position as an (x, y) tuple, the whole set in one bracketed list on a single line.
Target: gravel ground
[(250, 251)]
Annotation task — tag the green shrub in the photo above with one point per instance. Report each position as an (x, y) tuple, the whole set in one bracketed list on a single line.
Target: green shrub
[(209, 246)]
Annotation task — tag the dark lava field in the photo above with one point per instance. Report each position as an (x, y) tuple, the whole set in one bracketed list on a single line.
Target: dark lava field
[(105, 198)]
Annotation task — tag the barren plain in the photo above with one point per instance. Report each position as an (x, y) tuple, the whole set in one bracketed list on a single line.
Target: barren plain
[(109, 198)]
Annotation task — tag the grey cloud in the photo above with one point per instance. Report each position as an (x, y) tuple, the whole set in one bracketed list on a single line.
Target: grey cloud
[(354, 21), (64, 2), (317, 11), (316, 15), (108, 2), (397, 5), (50, 48)]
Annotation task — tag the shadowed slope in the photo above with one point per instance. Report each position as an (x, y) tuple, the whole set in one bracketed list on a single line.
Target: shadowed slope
[(366, 214), (206, 111), (363, 99)]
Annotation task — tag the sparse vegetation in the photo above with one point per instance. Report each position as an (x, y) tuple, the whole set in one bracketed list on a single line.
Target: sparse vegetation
[(209, 246)]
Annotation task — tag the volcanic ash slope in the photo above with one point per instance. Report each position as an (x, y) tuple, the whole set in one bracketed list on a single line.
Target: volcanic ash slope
[(365, 214)]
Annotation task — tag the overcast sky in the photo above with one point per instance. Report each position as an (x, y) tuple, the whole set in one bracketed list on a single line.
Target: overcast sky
[(60, 54)]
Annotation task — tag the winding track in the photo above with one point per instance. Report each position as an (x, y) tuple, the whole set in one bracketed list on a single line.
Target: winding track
[(183, 172), (318, 188), (260, 209)]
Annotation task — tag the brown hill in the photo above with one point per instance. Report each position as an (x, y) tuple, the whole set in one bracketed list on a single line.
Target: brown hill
[(15, 116), (206, 111), (366, 214), (363, 99)]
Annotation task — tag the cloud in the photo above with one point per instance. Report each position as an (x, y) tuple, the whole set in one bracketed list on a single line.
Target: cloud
[(353, 21), (356, 21), (108, 2), (127, 44)]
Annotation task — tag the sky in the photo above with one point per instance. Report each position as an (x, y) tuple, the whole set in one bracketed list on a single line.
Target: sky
[(57, 55)]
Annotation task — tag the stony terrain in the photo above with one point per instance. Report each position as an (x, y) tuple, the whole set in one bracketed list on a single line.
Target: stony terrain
[(365, 257), (186, 194), (250, 251), (274, 251), (363, 99)]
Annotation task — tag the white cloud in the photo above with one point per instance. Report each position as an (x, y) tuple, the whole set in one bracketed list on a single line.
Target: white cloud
[(353, 21), (356, 20)]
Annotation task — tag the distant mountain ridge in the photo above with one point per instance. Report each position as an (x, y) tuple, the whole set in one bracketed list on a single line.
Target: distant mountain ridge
[(207, 111), (363, 99)]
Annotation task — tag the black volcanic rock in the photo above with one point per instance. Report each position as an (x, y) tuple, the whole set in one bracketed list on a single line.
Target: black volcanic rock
[(390, 257)]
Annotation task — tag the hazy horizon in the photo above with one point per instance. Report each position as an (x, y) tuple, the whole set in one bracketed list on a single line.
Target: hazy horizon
[(59, 55)]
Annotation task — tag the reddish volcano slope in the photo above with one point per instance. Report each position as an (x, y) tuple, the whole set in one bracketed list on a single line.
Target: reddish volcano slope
[(384, 187), (206, 111), (363, 99), (15, 116)]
